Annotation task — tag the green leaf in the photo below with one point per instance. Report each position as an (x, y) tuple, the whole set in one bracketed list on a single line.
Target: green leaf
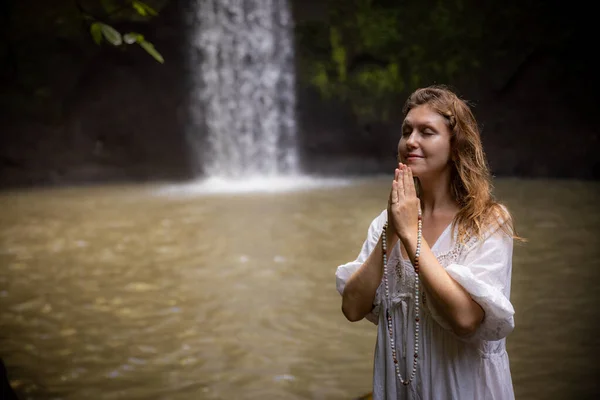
[(133, 37), (140, 10), (96, 31), (111, 34), (143, 9), (149, 47)]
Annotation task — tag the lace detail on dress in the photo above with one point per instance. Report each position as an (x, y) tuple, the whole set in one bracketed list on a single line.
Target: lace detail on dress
[(404, 278), (451, 256), (454, 254), (403, 281)]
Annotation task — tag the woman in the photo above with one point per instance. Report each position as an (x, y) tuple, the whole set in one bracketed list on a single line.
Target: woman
[(435, 270)]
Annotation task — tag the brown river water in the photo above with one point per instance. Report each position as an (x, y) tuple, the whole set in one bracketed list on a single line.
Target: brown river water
[(138, 292)]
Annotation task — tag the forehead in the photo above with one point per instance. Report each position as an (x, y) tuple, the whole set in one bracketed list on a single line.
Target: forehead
[(424, 115)]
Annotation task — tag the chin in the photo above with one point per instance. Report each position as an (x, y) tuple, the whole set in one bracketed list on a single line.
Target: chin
[(416, 170)]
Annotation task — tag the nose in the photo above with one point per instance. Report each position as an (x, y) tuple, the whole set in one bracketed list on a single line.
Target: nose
[(411, 140)]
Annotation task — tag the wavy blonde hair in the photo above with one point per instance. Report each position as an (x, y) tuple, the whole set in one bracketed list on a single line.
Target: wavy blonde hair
[(471, 181)]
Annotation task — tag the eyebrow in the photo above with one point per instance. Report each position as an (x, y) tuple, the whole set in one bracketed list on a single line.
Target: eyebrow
[(426, 124)]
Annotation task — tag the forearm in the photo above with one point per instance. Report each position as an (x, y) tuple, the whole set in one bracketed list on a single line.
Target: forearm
[(451, 299), (359, 292)]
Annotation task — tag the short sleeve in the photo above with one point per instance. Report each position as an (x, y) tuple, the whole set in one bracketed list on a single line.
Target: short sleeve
[(345, 271), (485, 272)]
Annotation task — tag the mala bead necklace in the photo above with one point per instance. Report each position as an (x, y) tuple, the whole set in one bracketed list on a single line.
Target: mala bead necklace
[(390, 324)]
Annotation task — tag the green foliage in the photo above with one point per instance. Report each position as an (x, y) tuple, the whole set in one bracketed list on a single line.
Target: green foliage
[(143, 9), (368, 52), (338, 53), (96, 32), (371, 53), (129, 9), (45, 39), (149, 47), (111, 7), (134, 37), (115, 8), (111, 34)]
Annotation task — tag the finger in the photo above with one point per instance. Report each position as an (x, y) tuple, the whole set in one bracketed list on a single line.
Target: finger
[(406, 181), (411, 190), (400, 190), (396, 177), (394, 194)]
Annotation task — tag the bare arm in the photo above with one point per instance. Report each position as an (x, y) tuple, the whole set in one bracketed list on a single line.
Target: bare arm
[(451, 299), (357, 299)]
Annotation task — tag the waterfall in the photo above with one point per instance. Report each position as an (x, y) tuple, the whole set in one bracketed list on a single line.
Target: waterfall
[(243, 88)]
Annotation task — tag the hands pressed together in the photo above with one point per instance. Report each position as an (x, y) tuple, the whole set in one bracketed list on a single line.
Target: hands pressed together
[(403, 205)]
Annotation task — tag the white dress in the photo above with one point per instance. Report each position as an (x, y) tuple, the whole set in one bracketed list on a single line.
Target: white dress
[(449, 367)]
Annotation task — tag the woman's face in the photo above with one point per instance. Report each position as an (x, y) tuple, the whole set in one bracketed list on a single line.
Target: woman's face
[(425, 142)]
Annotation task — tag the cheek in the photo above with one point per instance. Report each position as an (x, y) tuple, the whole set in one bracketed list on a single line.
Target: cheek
[(401, 144), (448, 152), (442, 150)]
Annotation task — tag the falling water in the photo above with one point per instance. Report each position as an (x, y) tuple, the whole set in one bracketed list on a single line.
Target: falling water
[(243, 94)]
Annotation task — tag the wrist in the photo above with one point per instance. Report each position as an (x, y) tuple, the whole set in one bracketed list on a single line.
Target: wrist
[(409, 238), (391, 238)]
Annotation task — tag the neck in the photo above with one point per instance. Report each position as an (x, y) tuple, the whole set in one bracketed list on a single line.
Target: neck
[(436, 196)]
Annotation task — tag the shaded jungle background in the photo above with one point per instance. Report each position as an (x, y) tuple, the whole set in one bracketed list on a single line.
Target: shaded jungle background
[(76, 112)]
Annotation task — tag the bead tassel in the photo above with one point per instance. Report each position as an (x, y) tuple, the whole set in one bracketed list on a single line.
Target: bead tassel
[(387, 294)]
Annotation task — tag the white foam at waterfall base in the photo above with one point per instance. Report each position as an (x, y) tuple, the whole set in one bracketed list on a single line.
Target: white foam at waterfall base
[(257, 184), (242, 134)]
